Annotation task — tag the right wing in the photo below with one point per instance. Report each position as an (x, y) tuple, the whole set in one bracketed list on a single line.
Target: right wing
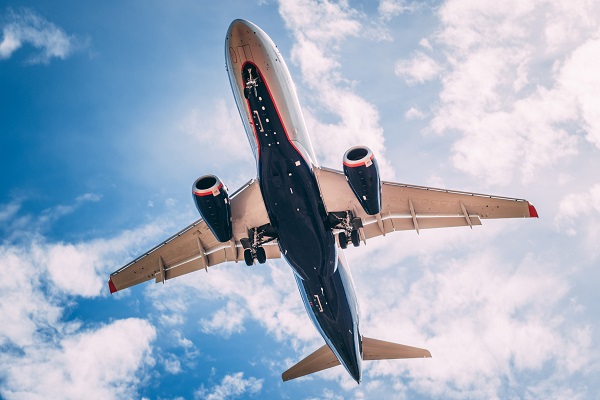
[(410, 207), (195, 247)]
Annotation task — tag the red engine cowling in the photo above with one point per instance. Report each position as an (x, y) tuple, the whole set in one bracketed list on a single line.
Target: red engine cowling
[(213, 204), (362, 173)]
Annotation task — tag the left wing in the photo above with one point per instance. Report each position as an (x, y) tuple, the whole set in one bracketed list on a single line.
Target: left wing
[(195, 247), (409, 207)]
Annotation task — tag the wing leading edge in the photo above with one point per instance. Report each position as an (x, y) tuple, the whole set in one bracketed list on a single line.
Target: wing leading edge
[(195, 247)]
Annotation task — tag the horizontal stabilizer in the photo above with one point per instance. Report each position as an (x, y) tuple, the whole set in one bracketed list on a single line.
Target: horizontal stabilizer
[(321, 359), (373, 349)]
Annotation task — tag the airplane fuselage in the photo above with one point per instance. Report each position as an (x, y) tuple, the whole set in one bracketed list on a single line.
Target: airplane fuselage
[(271, 115)]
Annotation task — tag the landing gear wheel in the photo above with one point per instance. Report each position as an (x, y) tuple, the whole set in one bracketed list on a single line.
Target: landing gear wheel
[(355, 238), (248, 257), (343, 240), (261, 256)]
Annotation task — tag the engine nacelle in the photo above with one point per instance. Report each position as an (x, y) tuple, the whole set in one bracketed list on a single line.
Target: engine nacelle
[(213, 204), (362, 173)]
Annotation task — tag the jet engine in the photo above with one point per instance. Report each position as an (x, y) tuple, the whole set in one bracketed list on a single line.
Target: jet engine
[(213, 204), (362, 174)]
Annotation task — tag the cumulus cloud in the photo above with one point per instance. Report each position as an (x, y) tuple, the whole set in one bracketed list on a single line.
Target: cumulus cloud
[(82, 268), (42, 354), (483, 318), (225, 321), (318, 29), (104, 361), (267, 294), (72, 269), (231, 387), (517, 86), (579, 78), (26, 27)]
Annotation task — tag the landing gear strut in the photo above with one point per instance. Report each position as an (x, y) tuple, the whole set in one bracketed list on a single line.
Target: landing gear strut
[(253, 244)]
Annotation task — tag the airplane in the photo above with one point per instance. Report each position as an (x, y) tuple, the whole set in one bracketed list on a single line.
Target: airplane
[(304, 212)]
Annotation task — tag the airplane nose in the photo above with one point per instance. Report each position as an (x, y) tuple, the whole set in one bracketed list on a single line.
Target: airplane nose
[(239, 27)]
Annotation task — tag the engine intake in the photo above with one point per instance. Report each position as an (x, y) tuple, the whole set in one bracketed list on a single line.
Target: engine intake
[(362, 173), (213, 205)]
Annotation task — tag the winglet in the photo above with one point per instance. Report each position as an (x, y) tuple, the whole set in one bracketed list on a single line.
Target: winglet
[(532, 211), (111, 286)]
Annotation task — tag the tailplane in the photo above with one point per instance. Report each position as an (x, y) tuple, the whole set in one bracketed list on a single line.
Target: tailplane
[(373, 349)]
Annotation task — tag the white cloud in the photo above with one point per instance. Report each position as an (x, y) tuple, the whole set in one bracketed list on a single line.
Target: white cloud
[(414, 113), (172, 364), (231, 387), (26, 27), (225, 321), (517, 86), (82, 269), (23, 306), (319, 29), (419, 68), (45, 356), (8, 211), (392, 8), (78, 269), (579, 78), (483, 319), (579, 213), (104, 362), (220, 127), (266, 294)]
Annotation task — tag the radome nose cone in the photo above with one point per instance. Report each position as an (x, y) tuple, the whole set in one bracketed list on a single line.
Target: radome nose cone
[(240, 27)]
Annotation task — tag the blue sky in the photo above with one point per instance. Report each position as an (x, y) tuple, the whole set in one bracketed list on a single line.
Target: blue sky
[(109, 112)]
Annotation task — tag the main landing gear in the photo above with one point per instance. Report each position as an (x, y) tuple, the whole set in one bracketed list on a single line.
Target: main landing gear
[(253, 244), (354, 238), (349, 224)]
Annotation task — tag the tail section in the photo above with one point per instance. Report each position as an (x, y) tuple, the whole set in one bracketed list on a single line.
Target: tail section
[(373, 349)]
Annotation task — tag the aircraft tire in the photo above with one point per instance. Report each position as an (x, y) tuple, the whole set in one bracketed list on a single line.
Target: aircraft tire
[(343, 240), (261, 256), (248, 257), (355, 238)]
